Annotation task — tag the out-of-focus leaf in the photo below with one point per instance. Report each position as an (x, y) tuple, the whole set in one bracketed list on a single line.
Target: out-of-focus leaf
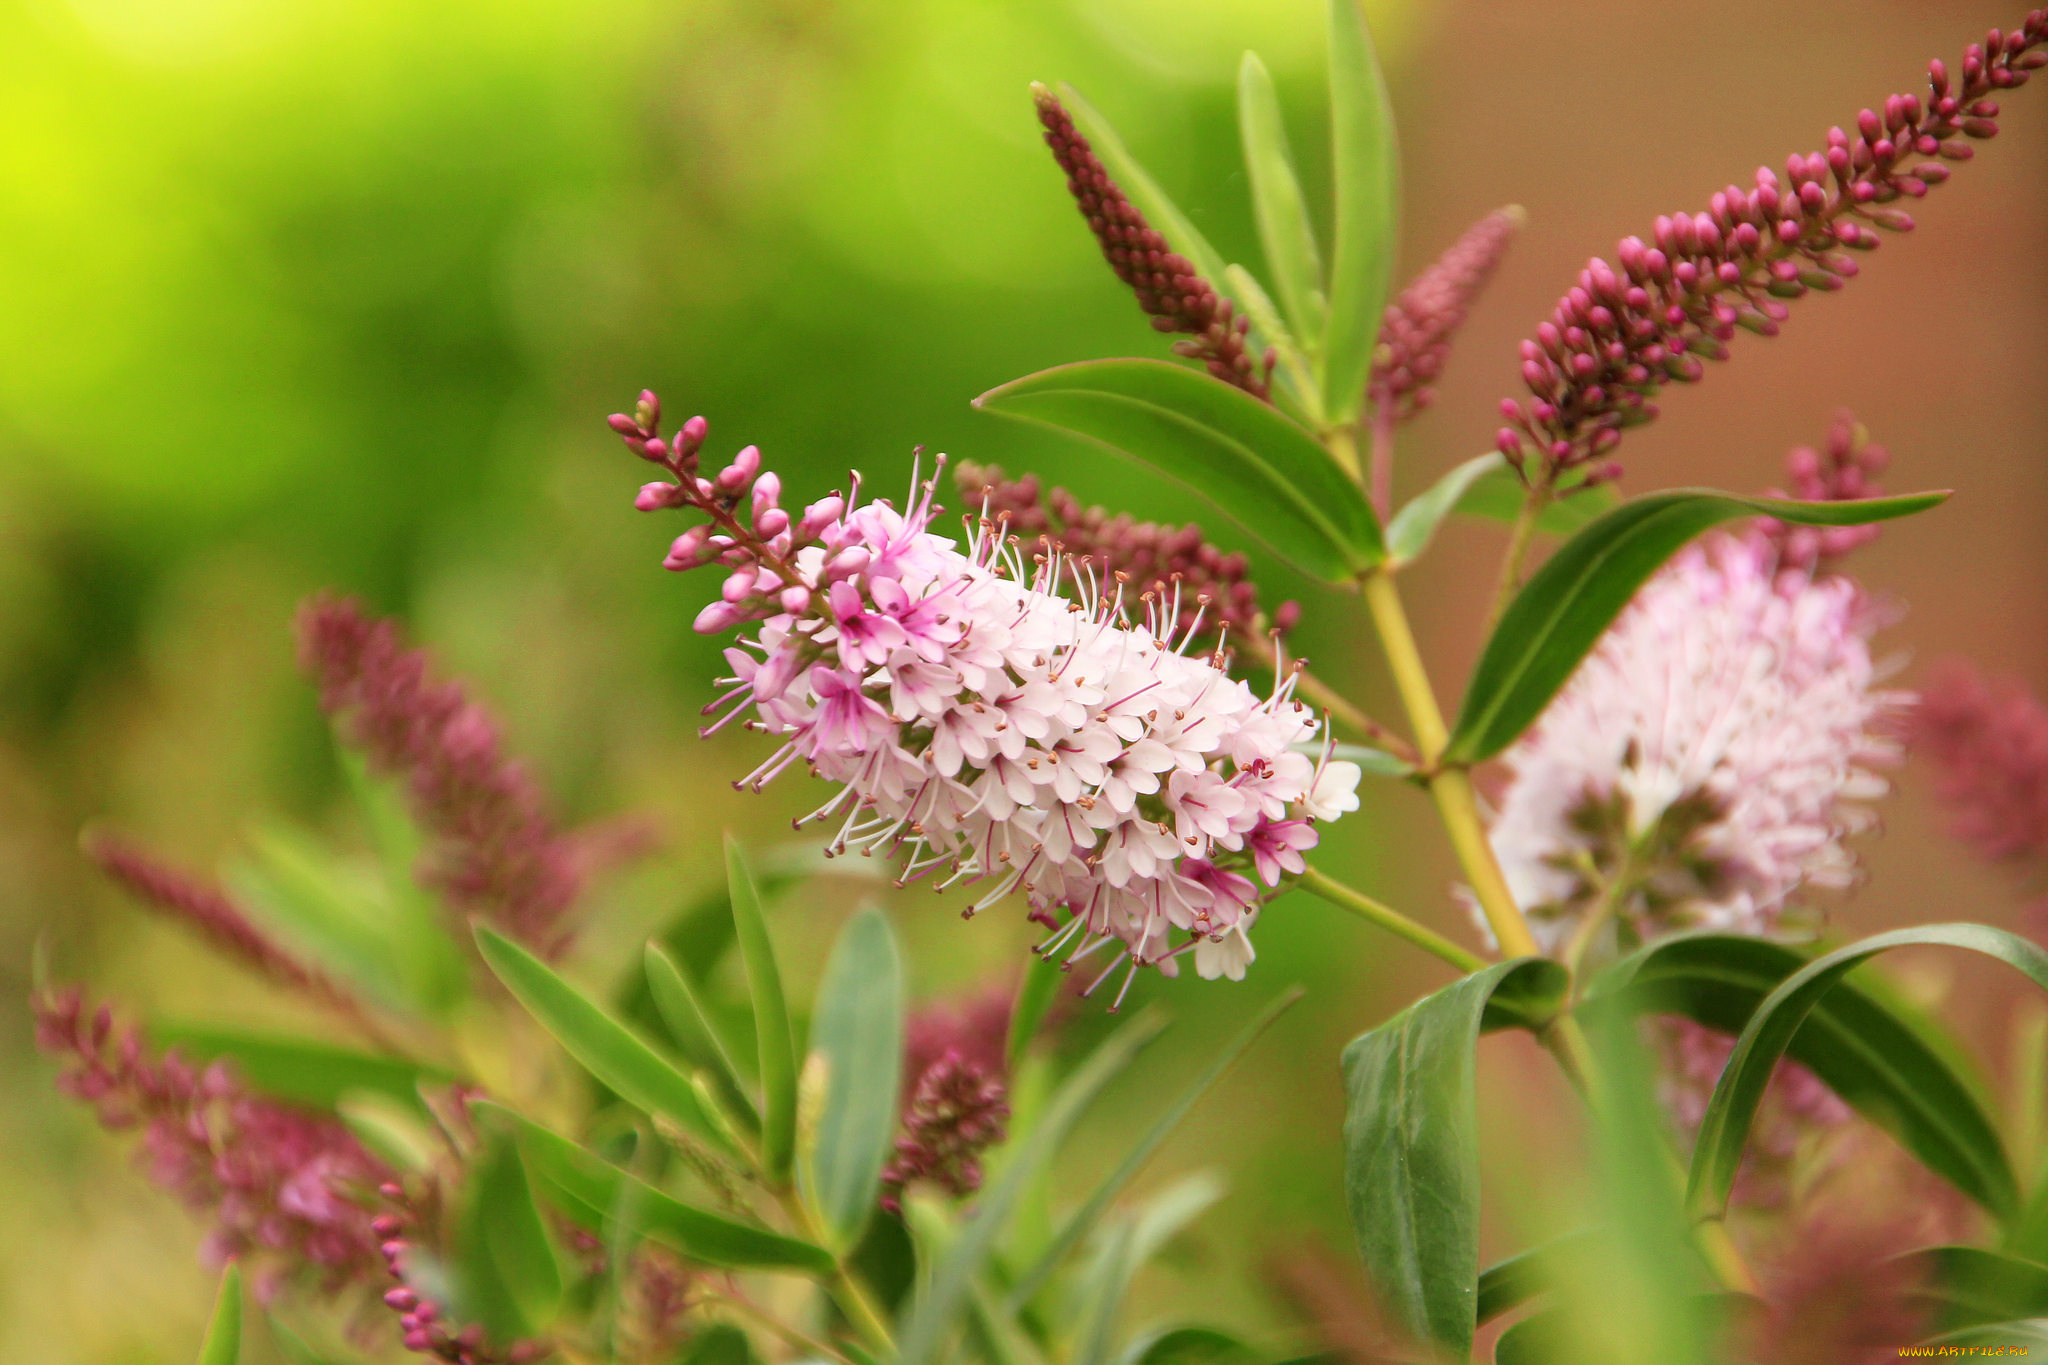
[(1497, 494), (331, 913), (1284, 229), (1513, 1282), (857, 1053), (1562, 610), (719, 1344), (1724, 1129), (1257, 465), (886, 1261), (1142, 190), (587, 1187), (937, 1309), (1084, 1218), (427, 958), (1414, 526), (691, 1025), (1127, 1245), (505, 1270), (393, 1129), (1367, 166), (1188, 1346), (1373, 762), (222, 1344), (296, 1069), (1411, 1158), (1875, 1055), (2015, 1337), (1965, 1286), (774, 1038), (1037, 988), (606, 1048)]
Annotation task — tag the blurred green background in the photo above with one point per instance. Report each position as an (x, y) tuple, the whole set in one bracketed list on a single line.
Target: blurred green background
[(294, 296)]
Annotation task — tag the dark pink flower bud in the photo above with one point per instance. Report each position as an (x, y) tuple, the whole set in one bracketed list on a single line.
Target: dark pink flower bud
[(653, 496)]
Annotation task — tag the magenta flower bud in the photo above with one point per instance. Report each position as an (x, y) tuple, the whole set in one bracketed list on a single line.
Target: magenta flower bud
[(744, 466), (623, 424), (848, 562), (795, 599), (654, 448), (767, 490), (1509, 442), (771, 523), (739, 586), (404, 1300), (692, 435), (648, 411), (653, 496), (819, 515), (718, 616)]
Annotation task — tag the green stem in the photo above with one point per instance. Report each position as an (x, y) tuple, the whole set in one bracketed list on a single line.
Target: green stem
[(1342, 442), (1382, 471), (1389, 919), (853, 1300), (1519, 539), (795, 1337)]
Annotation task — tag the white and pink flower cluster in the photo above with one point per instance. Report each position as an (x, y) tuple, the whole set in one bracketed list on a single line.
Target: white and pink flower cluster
[(1709, 759), (996, 733)]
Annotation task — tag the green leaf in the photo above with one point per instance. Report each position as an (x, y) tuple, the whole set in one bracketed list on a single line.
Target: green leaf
[(1255, 463), (606, 1048), (1367, 166), (1128, 1244), (327, 911), (1562, 610), (1724, 1130), (1414, 526), (297, 1069), (1498, 492), (393, 1129), (1888, 1065), (1284, 230), (1411, 1163), (1037, 988), (589, 1188), (856, 1057), (721, 1343), (1142, 190), (1373, 762), (2022, 1335), (505, 1270), (1188, 1346), (429, 962), (773, 1036), (690, 1024), (1084, 1218), (939, 1307), (1509, 1284), (1964, 1286), (222, 1344)]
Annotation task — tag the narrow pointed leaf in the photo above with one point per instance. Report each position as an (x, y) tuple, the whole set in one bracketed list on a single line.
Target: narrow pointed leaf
[(1257, 465), (1036, 990), (1889, 1065), (1142, 190), (505, 1270), (857, 1055), (606, 1048), (1366, 163), (588, 1189), (1965, 1286), (1411, 1157), (1498, 492), (1189, 1346), (1509, 1284), (773, 1036), (690, 1024), (1285, 233), (1129, 1244), (1560, 613), (1724, 1130), (936, 1310), (301, 1070), (222, 1344), (1085, 1217), (1994, 1338)]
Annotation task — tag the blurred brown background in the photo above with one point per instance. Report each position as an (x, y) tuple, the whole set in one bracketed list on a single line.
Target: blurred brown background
[(299, 296)]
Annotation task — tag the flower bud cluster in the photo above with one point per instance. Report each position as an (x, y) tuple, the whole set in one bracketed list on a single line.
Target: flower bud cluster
[(1416, 333), (284, 1187), (1844, 470), (1674, 302), (958, 1109), (983, 723), (1988, 741), (1173, 563), (1169, 289)]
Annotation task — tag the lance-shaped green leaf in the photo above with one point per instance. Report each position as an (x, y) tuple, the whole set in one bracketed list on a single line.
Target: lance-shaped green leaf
[(1257, 465), (938, 1306), (222, 1344), (301, 1070), (606, 1048), (1367, 166), (1037, 988), (1127, 1245), (1092, 1209), (856, 1059), (1484, 486), (1411, 1153), (1510, 1283), (1562, 610), (1891, 1066), (1965, 1286), (588, 1189), (1997, 1338), (506, 1275), (1724, 1130), (693, 1029), (1189, 1346), (1142, 190), (775, 1042), (1285, 233)]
